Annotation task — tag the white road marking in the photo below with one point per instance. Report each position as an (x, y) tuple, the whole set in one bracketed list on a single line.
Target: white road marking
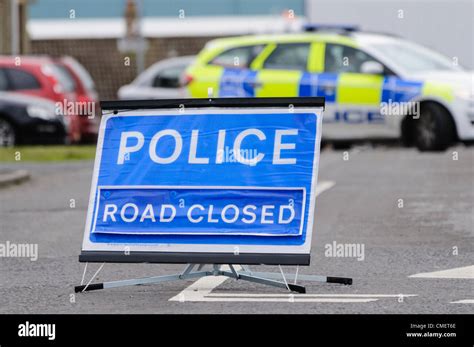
[(466, 272), (324, 185), (202, 287), (311, 295), (287, 299), (321, 298), (467, 301), (202, 293)]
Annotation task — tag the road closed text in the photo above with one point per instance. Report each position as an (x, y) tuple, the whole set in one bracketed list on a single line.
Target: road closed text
[(271, 212)]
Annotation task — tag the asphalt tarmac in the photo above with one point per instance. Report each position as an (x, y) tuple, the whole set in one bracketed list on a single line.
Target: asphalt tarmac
[(386, 214)]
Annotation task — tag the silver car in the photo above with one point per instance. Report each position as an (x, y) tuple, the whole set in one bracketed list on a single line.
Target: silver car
[(162, 80)]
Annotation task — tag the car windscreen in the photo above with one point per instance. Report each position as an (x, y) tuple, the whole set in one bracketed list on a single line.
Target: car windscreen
[(415, 58)]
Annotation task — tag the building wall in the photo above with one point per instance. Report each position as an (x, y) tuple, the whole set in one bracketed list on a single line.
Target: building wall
[(107, 65), (60, 9)]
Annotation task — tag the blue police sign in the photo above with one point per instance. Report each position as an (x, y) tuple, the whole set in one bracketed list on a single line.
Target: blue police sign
[(188, 183)]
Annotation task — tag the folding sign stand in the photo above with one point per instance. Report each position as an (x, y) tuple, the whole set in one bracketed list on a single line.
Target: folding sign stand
[(246, 274)]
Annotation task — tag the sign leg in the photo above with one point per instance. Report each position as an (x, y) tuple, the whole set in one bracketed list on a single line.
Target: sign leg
[(186, 274), (312, 278)]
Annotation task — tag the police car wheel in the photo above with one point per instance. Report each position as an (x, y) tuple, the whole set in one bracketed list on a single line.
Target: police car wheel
[(7, 133), (434, 129)]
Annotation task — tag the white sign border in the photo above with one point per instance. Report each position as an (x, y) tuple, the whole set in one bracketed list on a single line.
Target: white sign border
[(304, 248)]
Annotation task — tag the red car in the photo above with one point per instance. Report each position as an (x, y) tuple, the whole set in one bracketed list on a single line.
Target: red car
[(42, 77), (87, 98)]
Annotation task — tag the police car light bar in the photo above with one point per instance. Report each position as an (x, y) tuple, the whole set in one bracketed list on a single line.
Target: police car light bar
[(330, 27)]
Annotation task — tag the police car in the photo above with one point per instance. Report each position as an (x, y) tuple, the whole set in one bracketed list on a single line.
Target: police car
[(375, 85)]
